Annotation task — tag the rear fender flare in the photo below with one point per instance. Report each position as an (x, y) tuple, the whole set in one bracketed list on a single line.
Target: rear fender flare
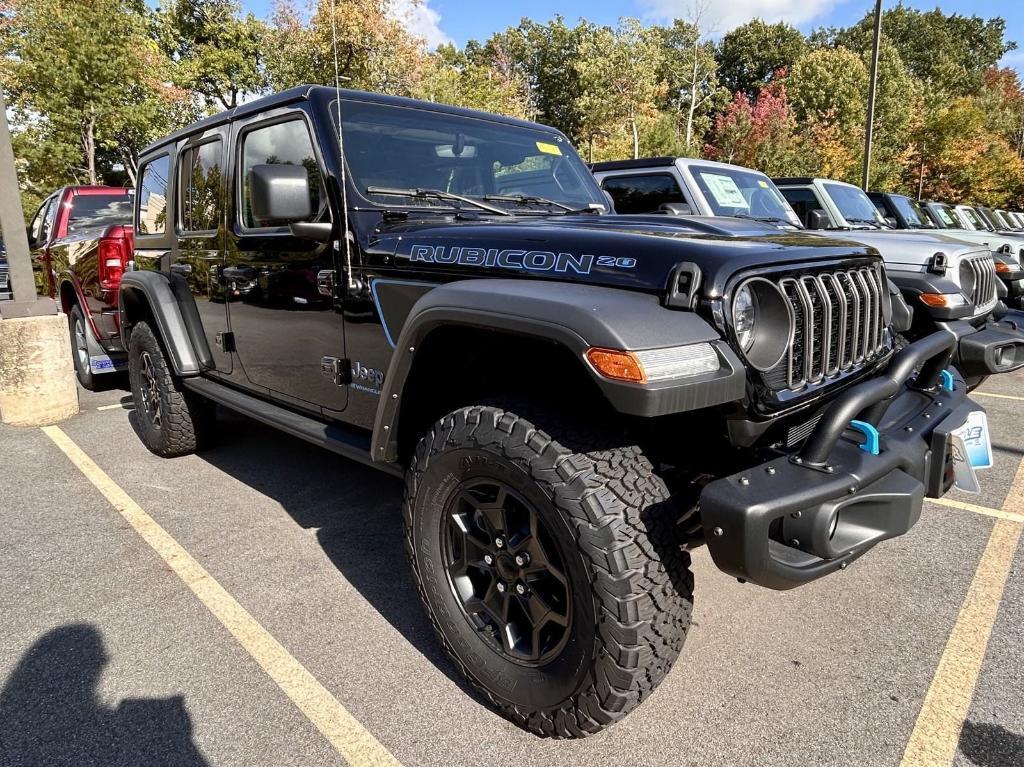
[(170, 304)]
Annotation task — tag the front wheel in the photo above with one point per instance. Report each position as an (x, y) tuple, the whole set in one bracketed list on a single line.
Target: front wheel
[(549, 567), (171, 420)]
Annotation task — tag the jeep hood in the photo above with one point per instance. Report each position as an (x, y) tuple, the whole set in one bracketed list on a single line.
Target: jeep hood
[(636, 252)]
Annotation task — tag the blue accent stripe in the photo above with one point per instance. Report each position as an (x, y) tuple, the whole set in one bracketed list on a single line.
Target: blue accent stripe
[(376, 301)]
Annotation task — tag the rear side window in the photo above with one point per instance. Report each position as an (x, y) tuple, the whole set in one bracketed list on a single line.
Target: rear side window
[(200, 184), (802, 201), (643, 194), (94, 210), (285, 143), (153, 197)]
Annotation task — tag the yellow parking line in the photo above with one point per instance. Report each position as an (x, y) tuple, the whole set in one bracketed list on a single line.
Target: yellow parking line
[(353, 741), (936, 733), (997, 396), (997, 513), (118, 406)]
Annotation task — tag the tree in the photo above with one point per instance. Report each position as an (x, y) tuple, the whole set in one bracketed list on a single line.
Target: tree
[(74, 70), (749, 55), (373, 50), (490, 83), (617, 70), (950, 53), (218, 53), (690, 72)]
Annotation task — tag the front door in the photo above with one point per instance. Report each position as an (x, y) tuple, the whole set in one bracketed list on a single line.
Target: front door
[(287, 323)]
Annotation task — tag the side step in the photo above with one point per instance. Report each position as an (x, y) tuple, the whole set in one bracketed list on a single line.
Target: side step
[(330, 436)]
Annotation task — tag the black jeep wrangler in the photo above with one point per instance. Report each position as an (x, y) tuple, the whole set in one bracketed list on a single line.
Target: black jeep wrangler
[(575, 399)]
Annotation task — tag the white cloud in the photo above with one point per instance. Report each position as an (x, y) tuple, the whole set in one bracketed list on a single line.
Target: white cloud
[(720, 17), (421, 20), (1013, 60)]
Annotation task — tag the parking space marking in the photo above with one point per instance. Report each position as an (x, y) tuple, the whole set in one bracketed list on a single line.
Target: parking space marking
[(997, 396), (936, 733), (353, 741), (997, 513)]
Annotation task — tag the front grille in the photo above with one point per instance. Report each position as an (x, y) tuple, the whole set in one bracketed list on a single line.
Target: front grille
[(839, 324), (985, 293)]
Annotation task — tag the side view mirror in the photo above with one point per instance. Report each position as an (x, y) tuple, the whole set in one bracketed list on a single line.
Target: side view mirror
[(891, 222), (279, 193), (818, 219), (675, 209)]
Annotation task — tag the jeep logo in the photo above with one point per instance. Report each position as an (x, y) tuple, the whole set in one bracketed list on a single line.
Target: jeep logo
[(362, 373)]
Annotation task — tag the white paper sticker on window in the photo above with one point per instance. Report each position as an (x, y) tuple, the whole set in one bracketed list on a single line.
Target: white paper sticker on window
[(724, 190)]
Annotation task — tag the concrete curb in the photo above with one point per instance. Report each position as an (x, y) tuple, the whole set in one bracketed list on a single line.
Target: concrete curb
[(37, 378)]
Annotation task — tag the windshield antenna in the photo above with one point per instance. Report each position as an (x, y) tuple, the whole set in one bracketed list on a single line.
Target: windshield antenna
[(346, 233)]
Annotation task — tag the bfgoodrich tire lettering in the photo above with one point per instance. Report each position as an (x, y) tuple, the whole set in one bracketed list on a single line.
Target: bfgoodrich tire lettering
[(609, 516), (170, 420)]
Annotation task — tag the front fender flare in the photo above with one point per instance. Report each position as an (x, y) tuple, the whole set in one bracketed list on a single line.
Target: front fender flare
[(577, 317)]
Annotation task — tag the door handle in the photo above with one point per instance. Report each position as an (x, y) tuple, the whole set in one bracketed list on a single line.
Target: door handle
[(325, 282)]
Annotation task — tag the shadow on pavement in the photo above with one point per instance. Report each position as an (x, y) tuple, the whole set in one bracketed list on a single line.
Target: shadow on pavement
[(989, 745), (50, 713), (356, 511)]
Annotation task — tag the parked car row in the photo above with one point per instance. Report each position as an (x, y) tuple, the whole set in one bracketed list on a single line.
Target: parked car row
[(575, 397), (955, 284)]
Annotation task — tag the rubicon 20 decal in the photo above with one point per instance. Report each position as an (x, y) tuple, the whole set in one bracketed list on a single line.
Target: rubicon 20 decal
[(529, 260)]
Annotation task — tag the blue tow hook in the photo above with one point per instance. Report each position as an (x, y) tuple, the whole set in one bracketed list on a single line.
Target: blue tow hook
[(946, 378), (870, 443)]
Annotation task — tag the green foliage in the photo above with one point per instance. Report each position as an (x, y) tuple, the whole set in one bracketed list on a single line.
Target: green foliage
[(91, 82), (750, 55)]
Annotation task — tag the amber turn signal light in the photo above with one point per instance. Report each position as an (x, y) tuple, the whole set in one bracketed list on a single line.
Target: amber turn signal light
[(617, 365), (1001, 267), (942, 300)]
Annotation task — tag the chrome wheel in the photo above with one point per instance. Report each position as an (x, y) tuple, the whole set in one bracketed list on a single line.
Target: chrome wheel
[(150, 390), (81, 348), (506, 572)]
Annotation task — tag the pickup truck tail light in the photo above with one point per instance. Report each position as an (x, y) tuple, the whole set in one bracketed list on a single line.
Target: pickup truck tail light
[(116, 246)]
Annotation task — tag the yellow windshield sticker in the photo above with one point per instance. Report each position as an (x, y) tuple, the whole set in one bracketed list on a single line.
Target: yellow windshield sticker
[(547, 148), (762, 184)]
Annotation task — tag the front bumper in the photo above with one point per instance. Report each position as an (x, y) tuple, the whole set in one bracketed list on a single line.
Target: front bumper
[(803, 515), (997, 347)]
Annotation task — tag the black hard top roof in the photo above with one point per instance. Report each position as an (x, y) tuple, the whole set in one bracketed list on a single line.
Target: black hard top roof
[(646, 162), (792, 180), (305, 92)]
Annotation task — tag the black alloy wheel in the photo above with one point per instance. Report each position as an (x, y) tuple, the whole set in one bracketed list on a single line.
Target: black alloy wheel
[(504, 568)]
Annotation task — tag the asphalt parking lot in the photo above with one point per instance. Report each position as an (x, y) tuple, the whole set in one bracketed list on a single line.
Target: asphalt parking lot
[(252, 605)]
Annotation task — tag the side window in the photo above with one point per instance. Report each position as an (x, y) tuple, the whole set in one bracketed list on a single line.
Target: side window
[(39, 221), (802, 201), (199, 183), (152, 217), (643, 194), (285, 143)]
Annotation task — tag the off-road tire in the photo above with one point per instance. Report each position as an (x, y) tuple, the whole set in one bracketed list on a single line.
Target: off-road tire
[(77, 326), (616, 528), (186, 420)]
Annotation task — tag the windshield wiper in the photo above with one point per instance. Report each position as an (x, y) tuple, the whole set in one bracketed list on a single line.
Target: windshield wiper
[(525, 199), (437, 194), (870, 221), (770, 219)]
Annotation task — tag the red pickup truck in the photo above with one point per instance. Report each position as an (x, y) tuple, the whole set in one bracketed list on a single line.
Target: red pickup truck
[(81, 241)]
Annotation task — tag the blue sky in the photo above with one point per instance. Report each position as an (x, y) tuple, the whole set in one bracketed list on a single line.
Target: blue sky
[(462, 20)]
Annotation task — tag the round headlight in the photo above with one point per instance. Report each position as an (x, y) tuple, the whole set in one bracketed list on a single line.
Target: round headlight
[(762, 321), (744, 316)]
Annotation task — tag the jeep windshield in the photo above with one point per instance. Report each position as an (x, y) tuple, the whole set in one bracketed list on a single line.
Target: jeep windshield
[(946, 215), (744, 194), (974, 219), (912, 212), (855, 206), (438, 158)]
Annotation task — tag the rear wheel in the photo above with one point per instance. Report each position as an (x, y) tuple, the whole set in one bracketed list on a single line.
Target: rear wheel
[(549, 566), (172, 421), (80, 348)]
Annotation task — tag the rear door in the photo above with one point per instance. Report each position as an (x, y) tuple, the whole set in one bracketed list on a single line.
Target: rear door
[(287, 324), (199, 219)]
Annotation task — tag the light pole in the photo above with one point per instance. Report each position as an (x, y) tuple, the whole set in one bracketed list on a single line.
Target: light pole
[(872, 89)]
